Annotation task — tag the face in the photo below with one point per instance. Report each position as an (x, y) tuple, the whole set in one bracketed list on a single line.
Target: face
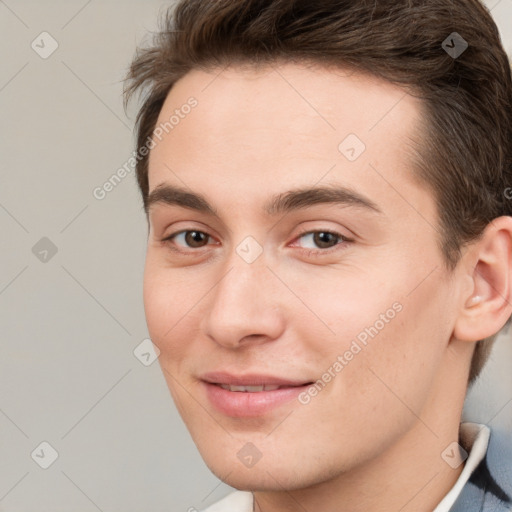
[(343, 288)]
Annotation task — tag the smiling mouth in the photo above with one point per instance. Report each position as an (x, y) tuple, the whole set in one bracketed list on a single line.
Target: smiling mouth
[(252, 400), (258, 389)]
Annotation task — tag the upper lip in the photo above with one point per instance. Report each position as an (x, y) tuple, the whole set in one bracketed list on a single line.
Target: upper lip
[(250, 379)]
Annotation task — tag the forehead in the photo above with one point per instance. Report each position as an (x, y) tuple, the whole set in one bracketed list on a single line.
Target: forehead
[(339, 98), (258, 130)]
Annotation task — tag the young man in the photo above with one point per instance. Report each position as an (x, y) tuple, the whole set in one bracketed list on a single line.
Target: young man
[(330, 246)]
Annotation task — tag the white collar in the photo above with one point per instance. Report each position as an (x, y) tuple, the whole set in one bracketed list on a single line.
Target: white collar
[(474, 438)]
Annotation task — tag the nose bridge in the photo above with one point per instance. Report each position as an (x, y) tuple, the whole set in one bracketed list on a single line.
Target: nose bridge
[(242, 302), (245, 284), (246, 273)]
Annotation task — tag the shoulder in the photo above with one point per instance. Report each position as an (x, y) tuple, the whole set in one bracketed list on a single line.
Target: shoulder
[(492, 478), (238, 501), (499, 459), (500, 440)]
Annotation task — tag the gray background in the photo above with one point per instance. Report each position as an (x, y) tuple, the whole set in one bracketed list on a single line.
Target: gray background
[(70, 324)]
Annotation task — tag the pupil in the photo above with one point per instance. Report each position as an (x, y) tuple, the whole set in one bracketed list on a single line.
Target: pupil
[(193, 236), (323, 235)]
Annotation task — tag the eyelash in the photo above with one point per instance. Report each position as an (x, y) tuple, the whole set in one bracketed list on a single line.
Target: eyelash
[(316, 252)]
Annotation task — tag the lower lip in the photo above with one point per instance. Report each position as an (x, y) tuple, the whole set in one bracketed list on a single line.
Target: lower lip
[(241, 404)]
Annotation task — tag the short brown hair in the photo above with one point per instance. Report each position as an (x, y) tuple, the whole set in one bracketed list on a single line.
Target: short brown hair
[(465, 154)]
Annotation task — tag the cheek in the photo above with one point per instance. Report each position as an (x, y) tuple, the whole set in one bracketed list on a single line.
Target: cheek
[(167, 303), (381, 333), (344, 306), (395, 369)]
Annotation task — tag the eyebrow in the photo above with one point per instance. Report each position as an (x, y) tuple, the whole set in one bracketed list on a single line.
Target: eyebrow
[(284, 202)]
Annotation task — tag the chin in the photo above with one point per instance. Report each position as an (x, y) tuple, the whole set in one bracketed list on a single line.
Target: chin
[(267, 474), (256, 480)]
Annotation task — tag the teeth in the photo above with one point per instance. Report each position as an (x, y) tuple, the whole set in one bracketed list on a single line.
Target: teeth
[(249, 389)]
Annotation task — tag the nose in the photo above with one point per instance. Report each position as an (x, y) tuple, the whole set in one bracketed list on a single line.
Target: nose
[(243, 307)]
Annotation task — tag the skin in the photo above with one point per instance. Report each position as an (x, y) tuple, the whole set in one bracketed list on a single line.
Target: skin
[(372, 439)]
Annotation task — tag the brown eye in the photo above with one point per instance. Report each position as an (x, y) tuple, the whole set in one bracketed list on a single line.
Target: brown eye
[(195, 238), (191, 239), (325, 240)]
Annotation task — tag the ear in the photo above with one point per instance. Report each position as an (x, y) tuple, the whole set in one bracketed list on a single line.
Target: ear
[(488, 304)]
